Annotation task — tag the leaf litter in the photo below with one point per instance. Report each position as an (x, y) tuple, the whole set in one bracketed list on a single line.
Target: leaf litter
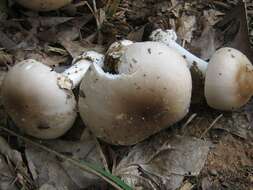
[(204, 152)]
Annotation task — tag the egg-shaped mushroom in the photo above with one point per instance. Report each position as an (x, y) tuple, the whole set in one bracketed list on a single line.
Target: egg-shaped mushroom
[(33, 99), (39, 100), (43, 5), (229, 80), (151, 91)]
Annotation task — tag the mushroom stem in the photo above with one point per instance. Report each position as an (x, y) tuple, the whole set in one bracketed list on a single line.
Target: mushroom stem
[(81, 64), (169, 38)]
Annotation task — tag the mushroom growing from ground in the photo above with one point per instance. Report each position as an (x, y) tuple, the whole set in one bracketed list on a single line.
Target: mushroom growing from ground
[(150, 90), (229, 80), (169, 38), (39, 100), (228, 75), (43, 5)]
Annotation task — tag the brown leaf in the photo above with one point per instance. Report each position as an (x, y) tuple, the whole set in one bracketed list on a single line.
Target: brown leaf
[(235, 28), (48, 169), (163, 161)]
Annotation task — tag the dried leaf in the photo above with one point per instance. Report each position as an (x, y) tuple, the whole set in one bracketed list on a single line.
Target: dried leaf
[(162, 162), (6, 177), (235, 30), (5, 58), (47, 169), (136, 35), (186, 26), (16, 165), (50, 21), (6, 42)]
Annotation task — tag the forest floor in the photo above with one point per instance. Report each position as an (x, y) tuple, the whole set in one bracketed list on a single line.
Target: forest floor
[(207, 150)]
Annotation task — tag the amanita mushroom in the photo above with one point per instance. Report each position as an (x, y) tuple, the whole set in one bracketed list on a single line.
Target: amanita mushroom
[(39, 100), (169, 38), (43, 5), (229, 80), (228, 75), (150, 91)]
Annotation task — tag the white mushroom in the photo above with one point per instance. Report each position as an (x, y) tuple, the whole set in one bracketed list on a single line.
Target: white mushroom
[(43, 5), (39, 100), (229, 80), (169, 38), (228, 75), (151, 91)]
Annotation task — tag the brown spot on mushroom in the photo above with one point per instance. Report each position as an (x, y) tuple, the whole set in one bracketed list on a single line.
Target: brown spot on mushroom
[(244, 80), (43, 127), (134, 60), (149, 50), (82, 94), (69, 96), (149, 108), (232, 56)]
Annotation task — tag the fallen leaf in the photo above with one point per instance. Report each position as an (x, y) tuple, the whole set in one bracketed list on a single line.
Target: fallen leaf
[(162, 163), (6, 176), (186, 26), (235, 30), (48, 169)]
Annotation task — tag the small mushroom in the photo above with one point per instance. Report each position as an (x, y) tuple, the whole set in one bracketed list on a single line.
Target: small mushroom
[(229, 80), (43, 5), (150, 90), (39, 100), (228, 75)]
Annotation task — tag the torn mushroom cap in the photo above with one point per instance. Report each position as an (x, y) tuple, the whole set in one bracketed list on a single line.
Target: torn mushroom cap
[(229, 80), (148, 95), (35, 102), (43, 5)]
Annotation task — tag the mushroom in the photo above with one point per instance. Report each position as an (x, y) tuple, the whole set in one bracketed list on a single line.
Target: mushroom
[(229, 80), (39, 100), (150, 90), (43, 5), (169, 38), (228, 74)]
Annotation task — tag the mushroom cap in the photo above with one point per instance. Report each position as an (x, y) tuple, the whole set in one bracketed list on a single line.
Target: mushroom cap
[(151, 92), (43, 5), (35, 102), (228, 81)]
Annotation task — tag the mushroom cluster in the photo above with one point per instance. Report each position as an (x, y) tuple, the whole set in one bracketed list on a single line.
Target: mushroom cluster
[(43, 5), (140, 89)]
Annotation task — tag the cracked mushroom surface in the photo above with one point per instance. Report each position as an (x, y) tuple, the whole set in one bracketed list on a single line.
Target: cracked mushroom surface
[(35, 102), (151, 91), (43, 5)]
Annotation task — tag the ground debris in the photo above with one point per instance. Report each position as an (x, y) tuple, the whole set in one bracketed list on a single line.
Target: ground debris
[(163, 161), (47, 169), (14, 171)]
